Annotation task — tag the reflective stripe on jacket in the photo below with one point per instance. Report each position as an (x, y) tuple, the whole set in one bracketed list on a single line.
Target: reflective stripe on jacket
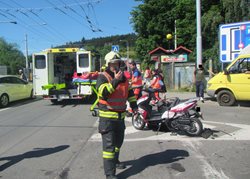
[(117, 99)]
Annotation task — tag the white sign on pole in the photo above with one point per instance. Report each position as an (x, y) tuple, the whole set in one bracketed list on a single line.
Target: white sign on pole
[(233, 38)]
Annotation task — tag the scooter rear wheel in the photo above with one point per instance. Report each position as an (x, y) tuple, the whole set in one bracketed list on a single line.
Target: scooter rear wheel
[(138, 122)]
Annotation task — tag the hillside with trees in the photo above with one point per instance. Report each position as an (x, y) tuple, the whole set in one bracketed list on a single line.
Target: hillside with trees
[(152, 20), (102, 45)]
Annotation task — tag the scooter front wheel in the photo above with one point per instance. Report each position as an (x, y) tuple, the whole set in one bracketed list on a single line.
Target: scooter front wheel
[(195, 129), (138, 122)]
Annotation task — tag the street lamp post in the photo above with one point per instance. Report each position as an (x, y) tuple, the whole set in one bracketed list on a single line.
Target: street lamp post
[(26, 48), (199, 38), (169, 38), (26, 45), (127, 44), (26, 52)]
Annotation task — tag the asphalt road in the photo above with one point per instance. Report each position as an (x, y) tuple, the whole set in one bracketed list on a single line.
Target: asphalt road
[(43, 141)]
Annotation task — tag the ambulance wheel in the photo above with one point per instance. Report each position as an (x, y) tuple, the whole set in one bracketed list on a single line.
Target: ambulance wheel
[(54, 101)]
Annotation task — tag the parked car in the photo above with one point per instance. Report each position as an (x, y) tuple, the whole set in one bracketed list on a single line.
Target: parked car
[(13, 88)]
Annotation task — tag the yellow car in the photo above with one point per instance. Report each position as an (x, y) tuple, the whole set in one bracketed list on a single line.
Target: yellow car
[(13, 88)]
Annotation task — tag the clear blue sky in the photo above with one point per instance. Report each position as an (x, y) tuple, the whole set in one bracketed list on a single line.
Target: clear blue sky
[(54, 22)]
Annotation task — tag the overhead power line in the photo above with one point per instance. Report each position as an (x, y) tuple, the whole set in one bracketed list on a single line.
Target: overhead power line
[(14, 11), (52, 7)]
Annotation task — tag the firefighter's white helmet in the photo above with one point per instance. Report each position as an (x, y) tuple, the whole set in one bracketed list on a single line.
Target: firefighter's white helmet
[(112, 57)]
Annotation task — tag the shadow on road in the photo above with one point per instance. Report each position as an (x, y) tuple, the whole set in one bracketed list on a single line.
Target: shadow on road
[(237, 103), (62, 103), (243, 103), (37, 152), (22, 102), (165, 157)]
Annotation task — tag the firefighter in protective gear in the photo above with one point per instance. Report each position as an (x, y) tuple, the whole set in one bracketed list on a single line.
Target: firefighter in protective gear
[(136, 81), (113, 91)]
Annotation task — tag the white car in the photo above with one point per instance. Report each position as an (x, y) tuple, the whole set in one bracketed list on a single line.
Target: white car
[(13, 88)]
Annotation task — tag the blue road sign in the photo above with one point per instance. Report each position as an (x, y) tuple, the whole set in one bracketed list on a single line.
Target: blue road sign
[(233, 38), (115, 48)]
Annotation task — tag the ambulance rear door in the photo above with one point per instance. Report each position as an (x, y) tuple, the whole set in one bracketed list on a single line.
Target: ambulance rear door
[(83, 64), (83, 61), (40, 73)]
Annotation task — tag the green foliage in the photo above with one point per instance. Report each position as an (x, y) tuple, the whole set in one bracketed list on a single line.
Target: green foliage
[(11, 57), (235, 10), (153, 19), (151, 22)]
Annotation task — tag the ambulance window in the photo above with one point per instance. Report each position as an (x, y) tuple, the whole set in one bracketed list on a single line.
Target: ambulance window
[(40, 62), (84, 60)]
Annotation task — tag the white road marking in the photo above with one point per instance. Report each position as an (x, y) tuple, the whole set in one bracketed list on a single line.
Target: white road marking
[(243, 133), (208, 169), (4, 109), (240, 132)]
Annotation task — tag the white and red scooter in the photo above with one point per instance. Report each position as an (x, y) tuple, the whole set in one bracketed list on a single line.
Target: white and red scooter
[(174, 114)]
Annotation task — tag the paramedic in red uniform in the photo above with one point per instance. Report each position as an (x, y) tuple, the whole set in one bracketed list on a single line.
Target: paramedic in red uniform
[(136, 81), (113, 91), (155, 85)]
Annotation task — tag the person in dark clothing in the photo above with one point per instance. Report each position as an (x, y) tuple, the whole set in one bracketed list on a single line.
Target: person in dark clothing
[(113, 91), (199, 78)]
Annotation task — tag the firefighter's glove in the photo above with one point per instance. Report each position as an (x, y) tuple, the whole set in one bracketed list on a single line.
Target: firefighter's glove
[(119, 76)]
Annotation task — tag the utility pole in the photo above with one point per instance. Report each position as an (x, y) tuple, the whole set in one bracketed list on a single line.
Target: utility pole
[(26, 52), (175, 35), (198, 38), (127, 50), (127, 44), (26, 44)]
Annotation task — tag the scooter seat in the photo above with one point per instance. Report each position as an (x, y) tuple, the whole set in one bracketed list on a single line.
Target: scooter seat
[(155, 116), (155, 113)]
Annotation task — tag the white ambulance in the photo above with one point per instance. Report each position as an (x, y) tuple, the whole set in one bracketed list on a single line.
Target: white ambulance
[(65, 73)]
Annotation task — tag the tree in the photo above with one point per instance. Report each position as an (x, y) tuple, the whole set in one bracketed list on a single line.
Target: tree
[(153, 19), (11, 57), (235, 10)]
